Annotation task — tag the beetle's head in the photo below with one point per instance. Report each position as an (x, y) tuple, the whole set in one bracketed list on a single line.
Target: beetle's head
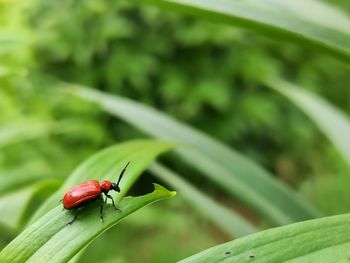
[(115, 187)]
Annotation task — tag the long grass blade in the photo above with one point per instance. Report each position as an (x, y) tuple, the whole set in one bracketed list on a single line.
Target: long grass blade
[(308, 22), (230, 222), (330, 120), (321, 240)]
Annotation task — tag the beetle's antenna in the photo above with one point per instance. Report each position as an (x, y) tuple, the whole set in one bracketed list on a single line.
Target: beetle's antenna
[(121, 174)]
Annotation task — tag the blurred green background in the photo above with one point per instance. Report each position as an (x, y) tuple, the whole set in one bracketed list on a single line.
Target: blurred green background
[(204, 74)]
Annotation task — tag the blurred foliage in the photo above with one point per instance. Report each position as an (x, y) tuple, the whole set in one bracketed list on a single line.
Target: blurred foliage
[(202, 73)]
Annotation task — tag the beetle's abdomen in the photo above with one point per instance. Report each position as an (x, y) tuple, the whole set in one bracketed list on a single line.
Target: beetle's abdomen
[(81, 193)]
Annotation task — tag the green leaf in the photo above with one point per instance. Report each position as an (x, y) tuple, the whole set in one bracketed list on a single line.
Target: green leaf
[(6, 235), (23, 130), (331, 121), (233, 172), (18, 205), (21, 176), (107, 164), (50, 239), (321, 240), (229, 221), (309, 22)]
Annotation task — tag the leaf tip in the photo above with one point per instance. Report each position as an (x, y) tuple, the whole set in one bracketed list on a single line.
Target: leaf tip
[(158, 187)]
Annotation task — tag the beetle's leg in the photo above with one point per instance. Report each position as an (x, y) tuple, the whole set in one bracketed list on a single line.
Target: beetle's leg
[(101, 209), (110, 197), (71, 222)]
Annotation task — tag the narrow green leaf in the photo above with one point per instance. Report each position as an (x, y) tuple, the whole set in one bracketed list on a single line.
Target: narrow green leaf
[(307, 21), (17, 205), (21, 176), (107, 164), (21, 131), (321, 240), (331, 121), (50, 239), (6, 235), (229, 221), (232, 171)]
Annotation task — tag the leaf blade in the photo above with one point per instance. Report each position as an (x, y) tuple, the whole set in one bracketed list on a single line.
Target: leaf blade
[(229, 221), (23, 130), (322, 240), (330, 120), (299, 20), (15, 204)]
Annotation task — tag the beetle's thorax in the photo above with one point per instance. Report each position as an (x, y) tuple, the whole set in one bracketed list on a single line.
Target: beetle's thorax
[(105, 185)]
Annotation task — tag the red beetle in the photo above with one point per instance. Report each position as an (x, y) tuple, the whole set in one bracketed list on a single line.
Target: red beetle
[(80, 195)]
